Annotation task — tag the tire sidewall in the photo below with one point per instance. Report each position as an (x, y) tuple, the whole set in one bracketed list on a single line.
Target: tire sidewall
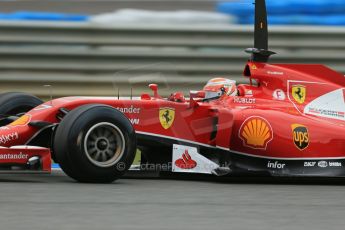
[(78, 124)]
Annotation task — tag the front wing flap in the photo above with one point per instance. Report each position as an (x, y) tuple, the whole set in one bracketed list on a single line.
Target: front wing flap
[(25, 159)]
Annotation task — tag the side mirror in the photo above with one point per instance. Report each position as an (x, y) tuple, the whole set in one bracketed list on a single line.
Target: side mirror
[(197, 94), (154, 88)]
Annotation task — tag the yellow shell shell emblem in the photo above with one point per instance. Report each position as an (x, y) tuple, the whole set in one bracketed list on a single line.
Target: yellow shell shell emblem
[(299, 93), (166, 117), (256, 133), (23, 120)]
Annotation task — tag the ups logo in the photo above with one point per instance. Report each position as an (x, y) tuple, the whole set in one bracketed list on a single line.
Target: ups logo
[(300, 136)]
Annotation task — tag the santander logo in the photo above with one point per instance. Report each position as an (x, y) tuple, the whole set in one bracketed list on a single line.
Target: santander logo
[(186, 162)]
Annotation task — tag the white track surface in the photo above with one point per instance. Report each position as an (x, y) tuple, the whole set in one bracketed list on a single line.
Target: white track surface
[(56, 202)]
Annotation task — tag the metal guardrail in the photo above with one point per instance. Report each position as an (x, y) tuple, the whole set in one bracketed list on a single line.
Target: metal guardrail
[(94, 59)]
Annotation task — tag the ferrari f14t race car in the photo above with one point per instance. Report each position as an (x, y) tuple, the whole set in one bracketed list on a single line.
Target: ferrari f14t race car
[(289, 121)]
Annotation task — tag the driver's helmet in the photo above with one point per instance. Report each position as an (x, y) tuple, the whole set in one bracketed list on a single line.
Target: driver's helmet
[(218, 87)]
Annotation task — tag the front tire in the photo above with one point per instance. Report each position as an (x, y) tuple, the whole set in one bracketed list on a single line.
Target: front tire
[(95, 144), (12, 104)]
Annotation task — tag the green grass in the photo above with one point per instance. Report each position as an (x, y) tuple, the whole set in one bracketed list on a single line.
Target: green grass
[(137, 158), (136, 161)]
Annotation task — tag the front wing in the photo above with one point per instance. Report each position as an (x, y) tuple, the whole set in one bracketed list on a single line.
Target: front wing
[(26, 159)]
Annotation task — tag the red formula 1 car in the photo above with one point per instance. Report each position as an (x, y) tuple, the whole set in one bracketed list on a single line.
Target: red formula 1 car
[(290, 121)]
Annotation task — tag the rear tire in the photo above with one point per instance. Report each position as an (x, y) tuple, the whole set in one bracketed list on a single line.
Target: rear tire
[(95, 144)]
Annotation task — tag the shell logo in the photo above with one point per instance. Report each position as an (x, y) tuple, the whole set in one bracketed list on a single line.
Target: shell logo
[(23, 120), (256, 133)]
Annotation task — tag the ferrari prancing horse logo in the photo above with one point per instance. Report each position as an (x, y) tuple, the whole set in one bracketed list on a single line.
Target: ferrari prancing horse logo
[(166, 117), (299, 93)]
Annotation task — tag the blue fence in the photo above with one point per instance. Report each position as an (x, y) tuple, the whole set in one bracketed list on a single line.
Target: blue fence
[(314, 12), (42, 16)]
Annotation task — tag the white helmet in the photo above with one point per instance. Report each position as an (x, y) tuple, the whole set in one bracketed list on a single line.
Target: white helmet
[(217, 87)]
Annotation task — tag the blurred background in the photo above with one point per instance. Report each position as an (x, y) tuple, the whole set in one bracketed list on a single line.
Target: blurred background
[(95, 47)]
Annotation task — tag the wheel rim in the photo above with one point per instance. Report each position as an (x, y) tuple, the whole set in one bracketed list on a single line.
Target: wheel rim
[(104, 144)]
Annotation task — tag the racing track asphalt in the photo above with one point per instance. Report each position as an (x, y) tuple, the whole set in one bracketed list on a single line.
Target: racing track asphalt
[(56, 202)]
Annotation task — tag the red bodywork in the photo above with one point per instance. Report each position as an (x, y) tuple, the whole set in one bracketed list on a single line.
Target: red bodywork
[(293, 115)]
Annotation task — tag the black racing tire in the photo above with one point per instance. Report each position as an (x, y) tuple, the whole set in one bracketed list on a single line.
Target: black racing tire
[(89, 133), (16, 103)]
